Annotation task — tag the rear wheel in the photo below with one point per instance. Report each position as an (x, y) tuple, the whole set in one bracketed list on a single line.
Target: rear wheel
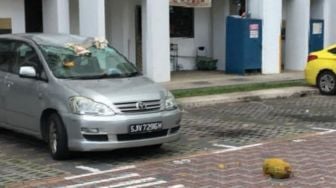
[(57, 138), (326, 83)]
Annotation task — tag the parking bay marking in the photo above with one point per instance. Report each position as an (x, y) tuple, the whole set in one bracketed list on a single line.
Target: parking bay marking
[(101, 172), (132, 175), (88, 168), (233, 148), (132, 182), (325, 131), (148, 184)]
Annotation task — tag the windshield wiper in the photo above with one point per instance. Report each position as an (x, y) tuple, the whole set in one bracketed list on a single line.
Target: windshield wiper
[(91, 77)]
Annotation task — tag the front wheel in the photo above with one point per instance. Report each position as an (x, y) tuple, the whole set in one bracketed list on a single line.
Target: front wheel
[(326, 83), (57, 138)]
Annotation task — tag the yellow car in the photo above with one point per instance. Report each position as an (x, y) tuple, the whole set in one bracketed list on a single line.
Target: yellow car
[(321, 70)]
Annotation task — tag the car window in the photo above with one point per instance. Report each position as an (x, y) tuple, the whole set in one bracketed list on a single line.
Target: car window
[(25, 55), (333, 51), (6, 55)]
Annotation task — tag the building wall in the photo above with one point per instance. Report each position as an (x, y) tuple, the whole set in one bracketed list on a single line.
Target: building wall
[(14, 9), (120, 26), (330, 20), (220, 11), (74, 16), (203, 37)]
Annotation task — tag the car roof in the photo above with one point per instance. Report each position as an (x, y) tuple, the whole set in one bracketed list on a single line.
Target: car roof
[(47, 39)]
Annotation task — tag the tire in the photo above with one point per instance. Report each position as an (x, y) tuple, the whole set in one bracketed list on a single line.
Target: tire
[(57, 138), (326, 83)]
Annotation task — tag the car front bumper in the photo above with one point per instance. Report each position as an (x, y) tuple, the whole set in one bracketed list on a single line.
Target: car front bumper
[(113, 127)]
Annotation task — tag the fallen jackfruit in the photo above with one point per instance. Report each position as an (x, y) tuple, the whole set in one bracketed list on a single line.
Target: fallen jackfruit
[(277, 168)]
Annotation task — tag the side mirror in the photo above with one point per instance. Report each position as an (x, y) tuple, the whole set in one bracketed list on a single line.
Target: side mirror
[(27, 72)]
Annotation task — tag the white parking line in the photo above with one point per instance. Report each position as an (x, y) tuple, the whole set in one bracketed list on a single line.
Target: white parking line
[(132, 182), (101, 172), (148, 184), (326, 131), (237, 148), (104, 180), (299, 140), (224, 146), (177, 186), (88, 168)]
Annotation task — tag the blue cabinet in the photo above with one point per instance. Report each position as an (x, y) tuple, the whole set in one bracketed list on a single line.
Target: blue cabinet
[(243, 45), (316, 35)]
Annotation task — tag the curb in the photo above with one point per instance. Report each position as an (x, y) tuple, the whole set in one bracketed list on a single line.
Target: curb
[(248, 96)]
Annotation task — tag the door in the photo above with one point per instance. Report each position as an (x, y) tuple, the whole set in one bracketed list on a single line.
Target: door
[(6, 58), (22, 96), (316, 38)]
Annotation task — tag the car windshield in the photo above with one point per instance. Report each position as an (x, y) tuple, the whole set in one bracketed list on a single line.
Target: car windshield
[(91, 62)]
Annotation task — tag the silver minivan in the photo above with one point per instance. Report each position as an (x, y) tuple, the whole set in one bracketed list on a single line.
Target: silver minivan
[(80, 94)]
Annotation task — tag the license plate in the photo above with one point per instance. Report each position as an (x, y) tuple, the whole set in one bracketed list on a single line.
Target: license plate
[(145, 127)]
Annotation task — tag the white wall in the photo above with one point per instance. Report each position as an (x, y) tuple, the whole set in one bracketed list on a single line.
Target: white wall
[(220, 11), (14, 9), (317, 9), (203, 35), (92, 18)]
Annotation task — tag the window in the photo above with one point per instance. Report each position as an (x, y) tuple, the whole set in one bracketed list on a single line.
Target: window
[(25, 56), (181, 22), (5, 25), (6, 55)]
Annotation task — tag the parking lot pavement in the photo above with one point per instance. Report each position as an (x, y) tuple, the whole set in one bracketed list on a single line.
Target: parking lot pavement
[(312, 159), (205, 130)]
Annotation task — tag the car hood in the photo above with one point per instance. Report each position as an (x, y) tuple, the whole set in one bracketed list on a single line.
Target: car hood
[(117, 90)]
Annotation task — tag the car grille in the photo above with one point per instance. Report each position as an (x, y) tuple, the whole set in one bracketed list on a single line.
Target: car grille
[(134, 107), (129, 137)]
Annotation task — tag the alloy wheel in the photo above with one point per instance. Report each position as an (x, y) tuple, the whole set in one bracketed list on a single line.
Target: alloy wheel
[(327, 83)]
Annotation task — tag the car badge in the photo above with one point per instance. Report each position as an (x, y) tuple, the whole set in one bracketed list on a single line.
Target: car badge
[(141, 106)]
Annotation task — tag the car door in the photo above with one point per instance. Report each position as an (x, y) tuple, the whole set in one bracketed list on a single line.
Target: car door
[(23, 103), (6, 56)]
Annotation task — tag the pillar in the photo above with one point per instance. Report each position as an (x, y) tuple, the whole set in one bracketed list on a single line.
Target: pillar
[(271, 14), (56, 16), (329, 22), (297, 34), (156, 39), (92, 18)]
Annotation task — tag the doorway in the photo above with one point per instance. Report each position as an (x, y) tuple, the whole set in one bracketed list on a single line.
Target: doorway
[(33, 16)]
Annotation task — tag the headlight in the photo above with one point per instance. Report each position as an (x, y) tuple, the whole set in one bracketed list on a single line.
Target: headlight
[(85, 106), (170, 103)]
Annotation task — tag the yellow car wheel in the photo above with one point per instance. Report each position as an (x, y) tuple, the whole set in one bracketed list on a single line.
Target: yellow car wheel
[(326, 83)]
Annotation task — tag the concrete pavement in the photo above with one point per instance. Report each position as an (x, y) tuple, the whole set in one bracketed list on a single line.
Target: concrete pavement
[(248, 96), (200, 79)]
